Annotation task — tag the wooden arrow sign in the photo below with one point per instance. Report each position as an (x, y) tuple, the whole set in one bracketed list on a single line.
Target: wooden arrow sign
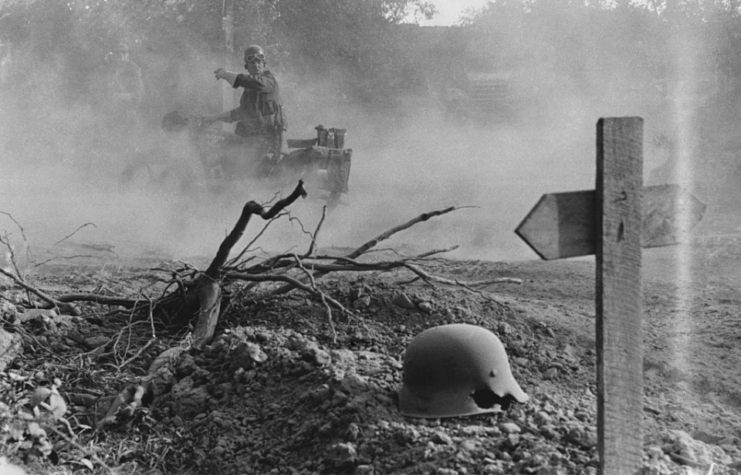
[(564, 224)]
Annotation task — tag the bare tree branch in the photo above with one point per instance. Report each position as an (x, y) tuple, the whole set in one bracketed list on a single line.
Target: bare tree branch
[(73, 233), (373, 242)]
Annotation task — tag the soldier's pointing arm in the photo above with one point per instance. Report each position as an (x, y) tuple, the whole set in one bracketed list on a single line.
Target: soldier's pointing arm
[(262, 82)]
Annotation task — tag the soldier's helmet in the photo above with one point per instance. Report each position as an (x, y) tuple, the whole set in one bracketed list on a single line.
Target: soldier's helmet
[(253, 52), (457, 370)]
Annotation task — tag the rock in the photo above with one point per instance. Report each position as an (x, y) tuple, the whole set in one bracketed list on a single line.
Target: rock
[(493, 469), (8, 311), (187, 366), (473, 430), (520, 361), (352, 432), (162, 382), (504, 328), (68, 309), (40, 321), (369, 362), (96, 341), (7, 468), (543, 418), (298, 343), (550, 374), (403, 301), (509, 428), (353, 383), (549, 432), (654, 452), (440, 437), (315, 355), (681, 446), (343, 453), (581, 415), (11, 345), (582, 437), (263, 336), (364, 470), (320, 394), (187, 400), (470, 445), (407, 435), (362, 302), (248, 355), (703, 436), (343, 361), (35, 313), (425, 307)]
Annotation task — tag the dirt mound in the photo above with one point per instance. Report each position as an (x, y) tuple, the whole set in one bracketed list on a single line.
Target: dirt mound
[(287, 387)]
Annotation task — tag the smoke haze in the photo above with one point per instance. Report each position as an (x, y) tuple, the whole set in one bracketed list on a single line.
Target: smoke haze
[(65, 163)]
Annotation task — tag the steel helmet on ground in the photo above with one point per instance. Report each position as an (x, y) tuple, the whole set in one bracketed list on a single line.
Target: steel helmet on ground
[(456, 370)]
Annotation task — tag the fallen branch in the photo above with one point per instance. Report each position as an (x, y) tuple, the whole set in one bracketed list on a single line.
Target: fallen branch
[(466, 285), (203, 301), (102, 299), (477, 283), (249, 209), (64, 308), (372, 243)]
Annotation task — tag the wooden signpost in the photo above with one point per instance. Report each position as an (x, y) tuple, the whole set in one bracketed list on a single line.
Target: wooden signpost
[(614, 222)]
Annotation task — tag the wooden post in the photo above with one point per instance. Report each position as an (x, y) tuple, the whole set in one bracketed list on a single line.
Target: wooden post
[(618, 295), (614, 222)]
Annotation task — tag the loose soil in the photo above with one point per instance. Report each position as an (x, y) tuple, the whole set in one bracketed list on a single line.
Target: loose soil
[(275, 393)]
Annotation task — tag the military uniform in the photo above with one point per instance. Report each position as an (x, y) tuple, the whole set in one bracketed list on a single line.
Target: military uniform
[(259, 116)]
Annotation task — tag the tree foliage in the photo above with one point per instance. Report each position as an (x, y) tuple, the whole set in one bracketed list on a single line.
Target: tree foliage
[(306, 36), (362, 45)]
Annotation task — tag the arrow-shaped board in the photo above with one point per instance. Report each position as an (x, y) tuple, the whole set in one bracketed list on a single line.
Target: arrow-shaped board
[(564, 224)]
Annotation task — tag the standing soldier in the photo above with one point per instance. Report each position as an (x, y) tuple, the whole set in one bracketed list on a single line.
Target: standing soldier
[(259, 117)]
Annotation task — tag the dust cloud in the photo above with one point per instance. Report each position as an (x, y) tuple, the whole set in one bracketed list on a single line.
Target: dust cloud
[(67, 161)]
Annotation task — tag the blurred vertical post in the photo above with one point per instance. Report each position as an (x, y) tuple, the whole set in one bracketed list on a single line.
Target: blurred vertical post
[(618, 295), (227, 91)]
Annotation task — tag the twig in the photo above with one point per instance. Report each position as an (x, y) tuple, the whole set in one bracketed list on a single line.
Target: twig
[(66, 258), (101, 299), (137, 354), (151, 316), (73, 233), (321, 296), (373, 242), (460, 283), (283, 278), (5, 240), (23, 234), (312, 246), (235, 235), (235, 261), (430, 278), (80, 447), (27, 287)]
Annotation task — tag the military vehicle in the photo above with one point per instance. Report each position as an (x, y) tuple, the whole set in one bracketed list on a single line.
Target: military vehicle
[(226, 160)]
